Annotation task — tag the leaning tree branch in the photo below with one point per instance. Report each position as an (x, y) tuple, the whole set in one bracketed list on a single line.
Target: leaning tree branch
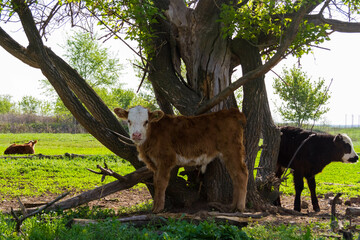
[(69, 85), (129, 180), (263, 69), (335, 25), (15, 49)]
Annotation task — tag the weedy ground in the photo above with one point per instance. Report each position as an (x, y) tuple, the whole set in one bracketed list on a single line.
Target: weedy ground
[(40, 179)]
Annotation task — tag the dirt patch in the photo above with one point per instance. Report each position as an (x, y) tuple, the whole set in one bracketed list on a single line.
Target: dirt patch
[(309, 215), (125, 198), (132, 197)]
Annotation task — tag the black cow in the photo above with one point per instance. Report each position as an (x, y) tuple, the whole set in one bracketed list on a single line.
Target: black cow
[(318, 151)]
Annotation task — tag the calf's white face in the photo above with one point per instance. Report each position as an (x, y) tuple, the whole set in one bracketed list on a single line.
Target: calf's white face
[(138, 119), (350, 155)]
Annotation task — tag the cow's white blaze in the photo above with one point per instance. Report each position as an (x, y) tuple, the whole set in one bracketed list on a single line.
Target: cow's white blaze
[(138, 118), (350, 155)]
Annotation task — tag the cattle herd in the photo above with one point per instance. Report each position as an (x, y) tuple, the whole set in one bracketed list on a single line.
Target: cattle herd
[(165, 141)]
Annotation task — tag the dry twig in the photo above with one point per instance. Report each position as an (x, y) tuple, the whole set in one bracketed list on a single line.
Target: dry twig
[(19, 221), (107, 172)]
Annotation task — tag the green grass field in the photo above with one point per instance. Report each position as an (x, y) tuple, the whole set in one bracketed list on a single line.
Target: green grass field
[(35, 177), (39, 177), (52, 175), (56, 143)]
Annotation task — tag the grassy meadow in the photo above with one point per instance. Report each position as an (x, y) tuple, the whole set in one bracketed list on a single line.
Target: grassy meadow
[(40, 177), (36, 177), (56, 143)]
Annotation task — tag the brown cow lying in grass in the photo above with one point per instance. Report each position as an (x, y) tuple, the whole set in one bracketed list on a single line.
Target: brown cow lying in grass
[(164, 141), (27, 148)]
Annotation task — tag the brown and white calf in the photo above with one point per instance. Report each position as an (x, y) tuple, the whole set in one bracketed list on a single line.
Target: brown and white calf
[(164, 141), (27, 148)]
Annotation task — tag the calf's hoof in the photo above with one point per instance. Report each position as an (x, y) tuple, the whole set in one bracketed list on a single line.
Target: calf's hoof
[(317, 209), (157, 209)]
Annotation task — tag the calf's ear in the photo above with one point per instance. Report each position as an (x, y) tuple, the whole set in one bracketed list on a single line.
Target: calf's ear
[(155, 115), (338, 138), (121, 113)]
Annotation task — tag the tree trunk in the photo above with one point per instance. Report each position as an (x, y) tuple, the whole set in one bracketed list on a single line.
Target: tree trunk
[(195, 37), (259, 124), (265, 178)]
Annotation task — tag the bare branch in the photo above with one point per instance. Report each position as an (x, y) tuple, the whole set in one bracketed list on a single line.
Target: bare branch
[(15, 49), (107, 172), (19, 221)]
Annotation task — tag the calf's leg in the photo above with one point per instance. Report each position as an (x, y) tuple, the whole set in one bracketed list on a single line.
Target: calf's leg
[(238, 172), (312, 186), (299, 186), (161, 181)]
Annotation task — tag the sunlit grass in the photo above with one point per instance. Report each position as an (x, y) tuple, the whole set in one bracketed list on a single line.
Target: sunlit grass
[(56, 143), (36, 177)]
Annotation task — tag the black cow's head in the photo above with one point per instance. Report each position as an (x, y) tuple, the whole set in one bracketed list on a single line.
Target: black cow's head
[(344, 142)]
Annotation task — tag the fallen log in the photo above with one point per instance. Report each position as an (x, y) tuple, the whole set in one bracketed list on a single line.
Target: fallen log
[(161, 219), (352, 212), (128, 181)]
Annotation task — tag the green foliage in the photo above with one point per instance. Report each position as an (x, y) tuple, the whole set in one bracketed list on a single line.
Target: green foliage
[(96, 65), (120, 98), (92, 61), (259, 20), (134, 17), (53, 226), (45, 108), (302, 99), (269, 231), (6, 105), (203, 230), (29, 105)]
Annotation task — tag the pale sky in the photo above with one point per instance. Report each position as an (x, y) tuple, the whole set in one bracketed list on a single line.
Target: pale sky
[(340, 63)]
